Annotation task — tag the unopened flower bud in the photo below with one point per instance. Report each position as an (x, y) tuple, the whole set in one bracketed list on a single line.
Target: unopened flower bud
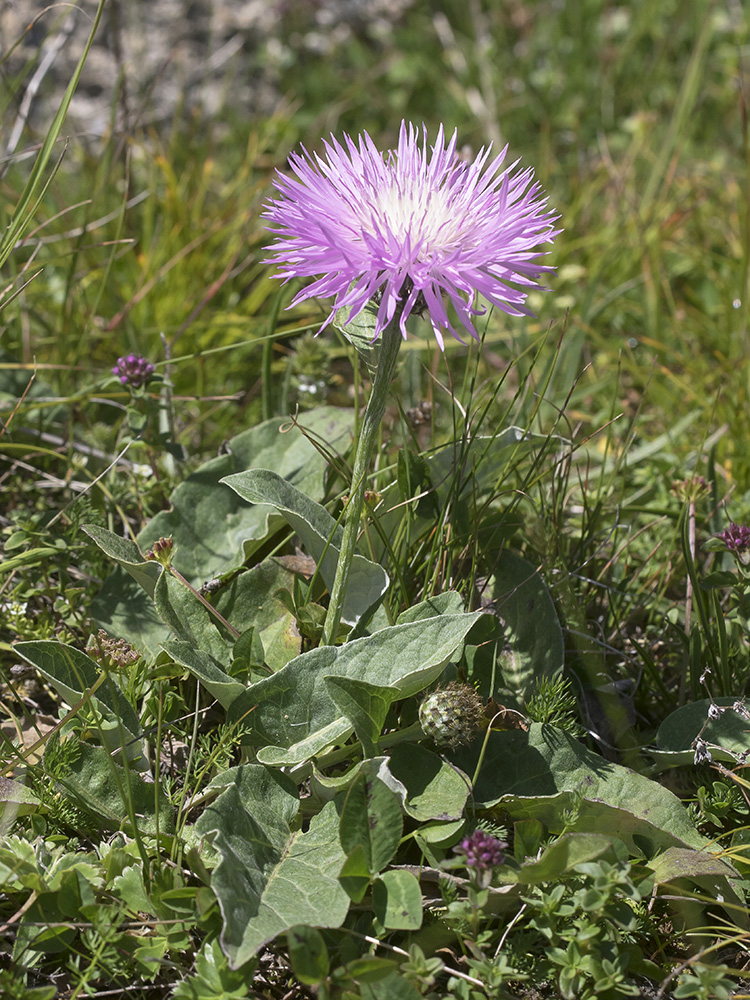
[(161, 551), (452, 716)]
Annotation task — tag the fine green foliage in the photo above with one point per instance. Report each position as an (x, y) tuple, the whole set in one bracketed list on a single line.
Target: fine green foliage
[(200, 798)]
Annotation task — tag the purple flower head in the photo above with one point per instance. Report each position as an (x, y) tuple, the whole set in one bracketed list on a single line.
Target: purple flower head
[(133, 370), (410, 227), (482, 852), (736, 537)]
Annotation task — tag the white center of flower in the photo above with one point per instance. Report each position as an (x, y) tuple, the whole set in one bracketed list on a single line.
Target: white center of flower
[(421, 213)]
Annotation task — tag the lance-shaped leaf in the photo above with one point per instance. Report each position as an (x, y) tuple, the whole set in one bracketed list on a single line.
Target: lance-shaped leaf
[(294, 706), (204, 668), (73, 674), (271, 877), (371, 819), (125, 552), (189, 619), (320, 535)]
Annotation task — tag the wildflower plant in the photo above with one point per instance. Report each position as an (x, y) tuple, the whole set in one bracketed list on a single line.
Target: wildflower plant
[(270, 753), (403, 231)]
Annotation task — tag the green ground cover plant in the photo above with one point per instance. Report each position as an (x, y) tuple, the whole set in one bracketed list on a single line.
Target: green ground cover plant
[(344, 665)]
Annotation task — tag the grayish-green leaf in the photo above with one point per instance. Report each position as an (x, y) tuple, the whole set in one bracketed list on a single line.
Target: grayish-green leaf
[(320, 535), (308, 954), (449, 602), (293, 705), (318, 741), (391, 987), (365, 705), (542, 773), (371, 818), (434, 789), (15, 800), (206, 670), (125, 552), (560, 858), (73, 673), (360, 332), (726, 736), (681, 862), (533, 638), (271, 876), (249, 600), (397, 900), (100, 785), (214, 530), (190, 620)]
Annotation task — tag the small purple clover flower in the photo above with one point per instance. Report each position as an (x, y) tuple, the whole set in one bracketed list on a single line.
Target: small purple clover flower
[(736, 537), (410, 227), (133, 370), (482, 852)]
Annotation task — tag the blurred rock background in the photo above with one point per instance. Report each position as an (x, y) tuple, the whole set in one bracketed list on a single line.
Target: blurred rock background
[(153, 59)]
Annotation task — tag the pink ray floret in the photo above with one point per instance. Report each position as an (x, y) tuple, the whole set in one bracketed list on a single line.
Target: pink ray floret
[(410, 228)]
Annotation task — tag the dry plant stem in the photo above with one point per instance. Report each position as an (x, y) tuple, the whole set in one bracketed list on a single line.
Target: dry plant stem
[(210, 608), (689, 586), (390, 341)]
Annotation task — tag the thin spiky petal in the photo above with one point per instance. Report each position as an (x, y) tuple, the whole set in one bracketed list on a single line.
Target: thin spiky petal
[(414, 226)]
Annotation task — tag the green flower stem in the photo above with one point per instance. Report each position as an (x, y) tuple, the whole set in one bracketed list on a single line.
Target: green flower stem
[(390, 341)]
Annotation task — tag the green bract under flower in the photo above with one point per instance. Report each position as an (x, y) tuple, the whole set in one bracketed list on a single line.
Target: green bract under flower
[(410, 228)]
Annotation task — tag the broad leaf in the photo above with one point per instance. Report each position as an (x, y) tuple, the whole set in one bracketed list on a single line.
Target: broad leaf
[(448, 603), (364, 705), (544, 772), (99, 785), (72, 674), (15, 800), (560, 858), (681, 862), (293, 706), (271, 876), (214, 531), (248, 601), (397, 901), (320, 535), (206, 670), (434, 789), (726, 736), (190, 620), (308, 954), (128, 555), (371, 819), (533, 641)]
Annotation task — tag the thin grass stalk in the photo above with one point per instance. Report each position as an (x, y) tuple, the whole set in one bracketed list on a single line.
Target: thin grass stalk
[(36, 186)]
